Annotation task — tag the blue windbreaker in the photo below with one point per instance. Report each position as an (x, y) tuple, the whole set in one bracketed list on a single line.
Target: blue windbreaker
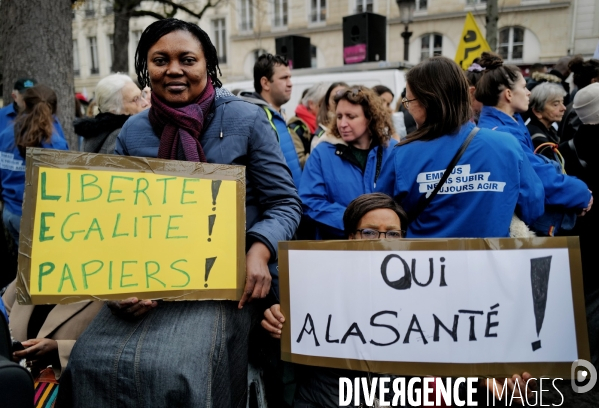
[(12, 167), (491, 181), (560, 189), (331, 180)]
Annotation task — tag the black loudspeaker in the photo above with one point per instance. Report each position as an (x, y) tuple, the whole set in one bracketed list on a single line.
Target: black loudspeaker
[(364, 38), (296, 49)]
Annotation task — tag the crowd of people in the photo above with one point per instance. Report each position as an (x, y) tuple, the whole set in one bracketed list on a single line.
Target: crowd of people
[(342, 166)]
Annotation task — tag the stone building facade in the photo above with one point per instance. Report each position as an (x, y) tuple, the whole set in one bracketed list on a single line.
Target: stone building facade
[(529, 30)]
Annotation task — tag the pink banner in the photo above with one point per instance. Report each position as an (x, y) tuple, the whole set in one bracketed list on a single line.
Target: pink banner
[(354, 54)]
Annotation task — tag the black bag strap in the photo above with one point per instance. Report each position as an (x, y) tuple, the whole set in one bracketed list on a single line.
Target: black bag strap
[(424, 200), (572, 147)]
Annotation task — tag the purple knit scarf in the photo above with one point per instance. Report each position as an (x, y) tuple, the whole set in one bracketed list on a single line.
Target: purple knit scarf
[(185, 123)]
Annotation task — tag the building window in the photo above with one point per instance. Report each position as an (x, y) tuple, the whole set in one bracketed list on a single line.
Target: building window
[(220, 39), (421, 4), (93, 55), (475, 2), (313, 56), (318, 11), (246, 15), (108, 9), (136, 36), (89, 9), (430, 46), (111, 50), (280, 13), (511, 43), (76, 67), (364, 5)]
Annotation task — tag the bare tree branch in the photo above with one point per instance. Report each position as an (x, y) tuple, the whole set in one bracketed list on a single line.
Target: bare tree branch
[(209, 4), (141, 13)]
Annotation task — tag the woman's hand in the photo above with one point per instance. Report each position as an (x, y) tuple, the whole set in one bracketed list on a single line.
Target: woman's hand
[(516, 395), (273, 321), (131, 308), (586, 210), (257, 275), (42, 352)]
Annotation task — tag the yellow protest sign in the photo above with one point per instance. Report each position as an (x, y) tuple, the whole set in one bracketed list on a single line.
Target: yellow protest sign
[(472, 43), (108, 227)]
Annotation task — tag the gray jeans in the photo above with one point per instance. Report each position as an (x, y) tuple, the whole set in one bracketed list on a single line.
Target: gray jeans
[(181, 354)]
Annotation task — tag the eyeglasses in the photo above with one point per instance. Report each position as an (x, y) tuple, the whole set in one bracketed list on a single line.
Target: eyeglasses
[(367, 233), (406, 102)]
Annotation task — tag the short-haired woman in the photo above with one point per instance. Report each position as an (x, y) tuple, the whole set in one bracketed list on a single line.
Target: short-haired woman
[(546, 108), (347, 162), (189, 353), (305, 123), (492, 180), (33, 127), (117, 98), (502, 90)]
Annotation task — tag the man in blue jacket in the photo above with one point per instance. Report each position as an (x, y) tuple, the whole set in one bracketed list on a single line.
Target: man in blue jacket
[(272, 84)]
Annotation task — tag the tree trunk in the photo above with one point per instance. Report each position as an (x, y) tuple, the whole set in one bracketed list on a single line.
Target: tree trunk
[(121, 40), (36, 38)]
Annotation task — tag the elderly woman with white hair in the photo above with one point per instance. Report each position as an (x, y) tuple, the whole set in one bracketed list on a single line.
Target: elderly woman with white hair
[(117, 98), (546, 107), (305, 123)]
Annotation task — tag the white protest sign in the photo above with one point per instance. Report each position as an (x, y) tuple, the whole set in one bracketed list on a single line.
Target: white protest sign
[(487, 307)]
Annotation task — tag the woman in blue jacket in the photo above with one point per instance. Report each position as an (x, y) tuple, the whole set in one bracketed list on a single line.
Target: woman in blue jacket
[(503, 92), (33, 127), (492, 180), (348, 160)]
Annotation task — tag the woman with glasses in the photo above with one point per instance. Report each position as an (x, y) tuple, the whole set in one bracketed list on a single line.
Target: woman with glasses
[(369, 216), (492, 179), (348, 161)]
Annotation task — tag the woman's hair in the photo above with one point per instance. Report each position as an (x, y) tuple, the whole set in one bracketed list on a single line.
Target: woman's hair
[(544, 93), (446, 99), (474, 73), (314, 94), (381, 89), (35, 123), (323, 112), (159, 29), (380, 124), (108, 93), (365, 203), (496, 79), (584, 71)]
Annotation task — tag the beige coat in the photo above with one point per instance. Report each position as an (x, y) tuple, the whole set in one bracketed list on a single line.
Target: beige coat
[(65, 323)]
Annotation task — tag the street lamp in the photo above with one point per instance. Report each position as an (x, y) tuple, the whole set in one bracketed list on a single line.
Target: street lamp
[(406, 14)]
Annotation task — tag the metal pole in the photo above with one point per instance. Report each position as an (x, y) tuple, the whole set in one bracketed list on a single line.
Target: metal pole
[(406, 43)]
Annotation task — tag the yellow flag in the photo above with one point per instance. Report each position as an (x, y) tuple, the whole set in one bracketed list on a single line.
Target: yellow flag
[(472, 43)]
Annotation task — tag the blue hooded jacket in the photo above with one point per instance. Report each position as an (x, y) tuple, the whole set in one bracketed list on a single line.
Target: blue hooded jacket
[(237, 132), (12, 167), (280, 126), (560, 189), (332, 179), (492, 180)]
